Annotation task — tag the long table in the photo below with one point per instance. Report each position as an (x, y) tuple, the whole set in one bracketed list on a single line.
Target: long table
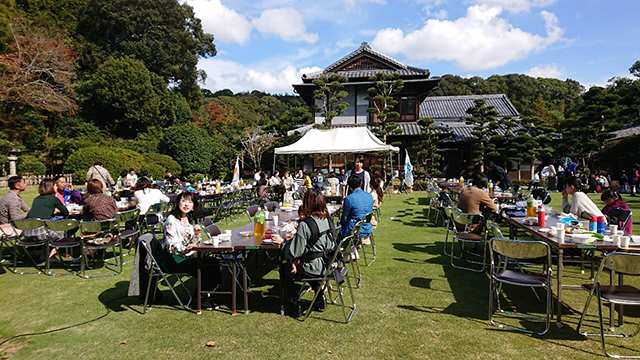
[(235, 247), (517, 223)]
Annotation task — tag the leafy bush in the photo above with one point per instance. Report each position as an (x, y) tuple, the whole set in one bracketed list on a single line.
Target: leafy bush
[(164, 161), (30, 165), (115, 160), (522, 183), (190, 146), (155, 171)]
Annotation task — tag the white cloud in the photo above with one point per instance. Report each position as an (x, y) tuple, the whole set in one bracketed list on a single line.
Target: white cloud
[(546, 71), (479, 40), (339, 45), (287, 23), (224, 23), (517, 6), (441, 14), (351, 4), (226, 74)]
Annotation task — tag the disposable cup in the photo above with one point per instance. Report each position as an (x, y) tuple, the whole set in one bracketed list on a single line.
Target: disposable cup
[(275, 220), (613, 228), (227, 232), (216, 240), (616, 239), (624, 242), (560, 225), (560, 234)]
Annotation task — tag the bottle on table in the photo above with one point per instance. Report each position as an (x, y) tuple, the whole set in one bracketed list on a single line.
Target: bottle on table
[(258, 223), (531, 210), (600, 225), (490, 187), (542, 221), (593, 223), (461, 182)]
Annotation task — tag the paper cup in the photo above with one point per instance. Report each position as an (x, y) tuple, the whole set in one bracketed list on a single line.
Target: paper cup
[(560, 234), (560, 225), (616, 239), (215, 240), (227, 232), (624, 242), (613, 228)]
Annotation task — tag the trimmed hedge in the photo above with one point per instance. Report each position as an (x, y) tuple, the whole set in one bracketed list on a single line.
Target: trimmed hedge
[(115, 160), (30, 165)]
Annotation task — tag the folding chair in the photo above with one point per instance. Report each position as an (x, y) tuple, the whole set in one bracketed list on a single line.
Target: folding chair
[(24, 241), (541, 195), (128, 228), (463, 226), (147, 241), (432, 201), (519, 250), (213, 230), (359, 239), (620, 217), (68, 241), (8, 236), (271, 205), (251, 211), (622, 263), (448, 224), (335, 270), (206, 222), (105, 228), (154, 216)]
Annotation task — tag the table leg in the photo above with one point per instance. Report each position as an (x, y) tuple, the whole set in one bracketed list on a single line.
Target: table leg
[(612, 309), (245, 287), (281, 286), (559, 290), (234, 270), (199, 284), (620, 307)]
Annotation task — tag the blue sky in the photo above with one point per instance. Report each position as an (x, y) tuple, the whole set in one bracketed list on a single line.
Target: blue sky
[(268, 44)]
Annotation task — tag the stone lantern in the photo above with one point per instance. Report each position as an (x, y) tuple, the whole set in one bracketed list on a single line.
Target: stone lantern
[(13, 157)]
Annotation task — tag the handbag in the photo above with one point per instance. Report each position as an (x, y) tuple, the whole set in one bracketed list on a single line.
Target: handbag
[(98, 238)]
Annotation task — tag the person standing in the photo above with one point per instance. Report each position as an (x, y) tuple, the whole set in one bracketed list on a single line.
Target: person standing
[(97, 171), (131, 178), (624, 182), (552, 177), (12, 203), (498, 175), (257, 175), (360, 172)]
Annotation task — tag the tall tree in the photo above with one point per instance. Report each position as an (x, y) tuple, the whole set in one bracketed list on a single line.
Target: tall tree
[(330, 92), (164, 34), (486, 123), (426, 146), (255, 142), (381, 95)]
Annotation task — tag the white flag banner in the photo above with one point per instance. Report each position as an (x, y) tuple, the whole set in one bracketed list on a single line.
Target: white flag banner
[(236, 172), (408, 170)]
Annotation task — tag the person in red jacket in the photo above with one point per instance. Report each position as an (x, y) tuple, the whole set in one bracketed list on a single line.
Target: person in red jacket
[(613, 201)]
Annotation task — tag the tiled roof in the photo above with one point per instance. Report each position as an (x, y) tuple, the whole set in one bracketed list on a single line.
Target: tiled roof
[(409, 128), (623, 133), (457, 131), (353, 74), (365, 49), (455, 107)]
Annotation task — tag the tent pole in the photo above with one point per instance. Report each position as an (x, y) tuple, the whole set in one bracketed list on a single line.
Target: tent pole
[(274, 163)]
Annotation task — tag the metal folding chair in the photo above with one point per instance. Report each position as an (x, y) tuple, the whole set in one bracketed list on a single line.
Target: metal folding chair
[(213, 230), (541, 195), (271, 205), (157, 273), (432, 201), (93, 229), (251, 211), (154, 216), (206, 222), (25, 242), (619, 216), (335, 270), (463, 232), (68, 241), (506, 249), (361, 239), (128, 228), (8, 236), (449, 225), (622, 263)]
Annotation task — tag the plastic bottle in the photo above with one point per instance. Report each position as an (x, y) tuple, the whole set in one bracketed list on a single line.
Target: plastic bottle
[(593, 224), (258, 223), (461, 182), (531, 210), (542, 221), (218, 187), (600, 225), (490, 187)]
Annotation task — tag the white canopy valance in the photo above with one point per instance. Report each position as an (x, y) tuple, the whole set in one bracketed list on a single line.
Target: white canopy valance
[(337, 140)]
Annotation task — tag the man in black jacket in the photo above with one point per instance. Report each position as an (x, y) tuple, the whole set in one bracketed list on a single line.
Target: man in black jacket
[(498, 175)]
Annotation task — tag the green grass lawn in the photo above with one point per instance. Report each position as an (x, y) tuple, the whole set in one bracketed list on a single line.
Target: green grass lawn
[(412, 304)]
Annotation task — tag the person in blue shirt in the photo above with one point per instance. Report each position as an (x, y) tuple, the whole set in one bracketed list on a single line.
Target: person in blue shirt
[(358, 204)]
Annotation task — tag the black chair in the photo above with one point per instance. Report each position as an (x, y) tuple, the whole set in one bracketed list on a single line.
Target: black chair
[(542, 195), (107, 230), (69, 240), (619, 216), (271, 205), (26, 227)]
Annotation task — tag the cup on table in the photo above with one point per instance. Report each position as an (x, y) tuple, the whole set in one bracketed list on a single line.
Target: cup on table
[(215, 240), (560, 234), (624, 241), (228, 233), (613, 229), (560, 225), (616, 238), (276, 217)]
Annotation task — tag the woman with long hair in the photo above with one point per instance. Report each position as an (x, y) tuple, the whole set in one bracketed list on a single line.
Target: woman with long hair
[(181, 235), (315, 214), (580, 205), (146, 195), (612, 201), (378, 197)]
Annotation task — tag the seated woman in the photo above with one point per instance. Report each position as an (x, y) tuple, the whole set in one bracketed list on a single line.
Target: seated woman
[(378, 196), (580, 206), (614, 201), (98, 206), (146, 195), (314, 208), (181, 234), (262, 184), (43, 207)]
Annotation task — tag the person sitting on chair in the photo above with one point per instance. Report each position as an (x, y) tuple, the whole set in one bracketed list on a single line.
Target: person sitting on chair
[(474, 200), (355, 207), (98, 206), (181, 235), (12, 203), (614, 201), (580, 205), (311, 244)]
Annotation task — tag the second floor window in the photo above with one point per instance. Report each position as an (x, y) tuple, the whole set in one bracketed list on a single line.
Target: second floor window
[(407, 108)]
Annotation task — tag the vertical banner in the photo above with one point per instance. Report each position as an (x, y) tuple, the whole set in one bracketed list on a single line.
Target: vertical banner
[(408, 170)]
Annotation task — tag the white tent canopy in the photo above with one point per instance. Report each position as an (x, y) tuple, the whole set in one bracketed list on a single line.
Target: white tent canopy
[(337, 140)]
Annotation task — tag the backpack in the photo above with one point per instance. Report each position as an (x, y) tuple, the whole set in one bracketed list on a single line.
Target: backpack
[(309, 255)]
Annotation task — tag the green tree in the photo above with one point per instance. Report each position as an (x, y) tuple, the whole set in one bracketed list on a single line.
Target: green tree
[(330, 92), (486, 123), (164, 34), (190, 146), (120, 97), (7, 12), (381, 95), (427, 151)]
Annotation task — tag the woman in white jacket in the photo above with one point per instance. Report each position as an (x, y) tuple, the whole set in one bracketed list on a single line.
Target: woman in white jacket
[(146, 195)]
